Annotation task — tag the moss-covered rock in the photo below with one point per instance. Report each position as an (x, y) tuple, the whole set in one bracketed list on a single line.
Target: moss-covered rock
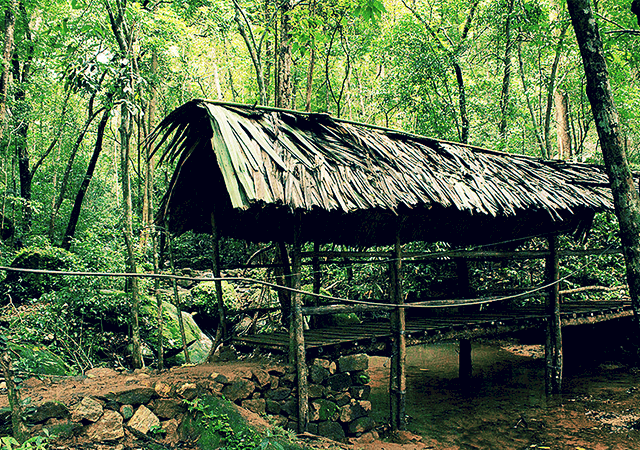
[(22, 286), (205, 302), (170, 328)]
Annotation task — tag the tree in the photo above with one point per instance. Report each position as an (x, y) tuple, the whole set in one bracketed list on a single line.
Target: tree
[(625, 194)]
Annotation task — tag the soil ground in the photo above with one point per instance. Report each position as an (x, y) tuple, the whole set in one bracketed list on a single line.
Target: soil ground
[(502, 407)]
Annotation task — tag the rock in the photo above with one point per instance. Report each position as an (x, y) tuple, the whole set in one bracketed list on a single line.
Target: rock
[(49, 410), (341, 399), (213, 386), (219, 378), (239, 390), (288, 380), (339, 382), (279, 394), (126, 411), (274, 383), (353, 411), (262, 377), (39, 359), (258, 405), (360, 377), (170, 427), (332, 430), (312, 428), (323, 409), (188, 391), (290, 408), (143, 420), (272, 407), (353, 363), (361, 425), (198, 351), (168, 408), (162, 389), (318, 374), (278, 371), (107, 428), (172, 339), (316, 391), (88, 409), (101, 372), (135, 397), (360, 392)]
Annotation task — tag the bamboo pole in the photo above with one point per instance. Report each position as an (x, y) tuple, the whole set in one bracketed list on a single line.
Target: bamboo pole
[(221, 332), (553, 343), (397, 378), (301, 363)]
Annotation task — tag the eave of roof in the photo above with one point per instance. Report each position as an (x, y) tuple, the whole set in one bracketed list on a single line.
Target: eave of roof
[(273, 160)]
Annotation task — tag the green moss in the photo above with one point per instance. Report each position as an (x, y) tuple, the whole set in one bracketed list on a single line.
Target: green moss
[(216, 423), (25, 286), (327, 409), (170, 328)]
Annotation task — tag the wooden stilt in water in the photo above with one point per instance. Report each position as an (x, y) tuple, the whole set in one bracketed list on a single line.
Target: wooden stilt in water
[(553, 344), (466, 368), (397, 378), (298, 322), (221, 332)]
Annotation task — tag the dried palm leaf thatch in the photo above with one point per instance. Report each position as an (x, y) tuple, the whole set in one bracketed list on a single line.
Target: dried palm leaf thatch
[(355, 183)]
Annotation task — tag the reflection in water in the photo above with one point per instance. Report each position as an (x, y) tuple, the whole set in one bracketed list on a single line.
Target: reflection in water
[(498, 408)]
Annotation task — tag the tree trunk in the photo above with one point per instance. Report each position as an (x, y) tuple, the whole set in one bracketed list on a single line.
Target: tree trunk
[(7, 56), (285, 85), (75, 212), (506, 79), (562, 125), (625, 195), (551, 87)]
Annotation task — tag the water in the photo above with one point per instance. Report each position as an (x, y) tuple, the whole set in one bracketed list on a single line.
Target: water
[(499, 407)]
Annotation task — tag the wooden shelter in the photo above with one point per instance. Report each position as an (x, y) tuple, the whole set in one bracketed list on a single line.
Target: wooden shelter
[(265, 174)]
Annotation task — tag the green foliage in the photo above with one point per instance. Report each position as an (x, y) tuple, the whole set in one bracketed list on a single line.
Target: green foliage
[(34, 443), (22, 286), (217, 424), (205, 302)]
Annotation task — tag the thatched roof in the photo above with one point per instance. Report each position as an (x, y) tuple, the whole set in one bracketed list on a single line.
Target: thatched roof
[(354, 183)]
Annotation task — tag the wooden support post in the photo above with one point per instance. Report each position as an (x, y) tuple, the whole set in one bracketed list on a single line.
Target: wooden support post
[(397, 378), (317, 281), (298, 322), (178, 303), (553, 344), (221, 332), (465, 369)]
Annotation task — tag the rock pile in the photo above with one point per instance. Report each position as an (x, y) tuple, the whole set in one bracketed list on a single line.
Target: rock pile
[(338, 403)]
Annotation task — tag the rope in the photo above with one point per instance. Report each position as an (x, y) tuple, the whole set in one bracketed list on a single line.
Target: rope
[(429, 304)]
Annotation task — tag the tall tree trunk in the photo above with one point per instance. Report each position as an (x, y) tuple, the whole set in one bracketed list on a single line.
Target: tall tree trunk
[(625, 194), (77, 206), (506, 79), (7, 56), (551, 88), (149, 163), (562, 125), (285, 84), (534, 122), (22, 75)]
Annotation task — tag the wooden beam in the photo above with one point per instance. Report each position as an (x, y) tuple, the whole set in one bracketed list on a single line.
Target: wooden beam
[(553, 344), (221, 332), (397, 378), (298, 323)]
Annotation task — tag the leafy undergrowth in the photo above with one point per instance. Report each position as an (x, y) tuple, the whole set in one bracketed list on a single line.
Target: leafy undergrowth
[(215, 424)]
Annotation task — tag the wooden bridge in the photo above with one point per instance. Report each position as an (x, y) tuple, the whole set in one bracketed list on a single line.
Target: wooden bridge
[(375, 337)]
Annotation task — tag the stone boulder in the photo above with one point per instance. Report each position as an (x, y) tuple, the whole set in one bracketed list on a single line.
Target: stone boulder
[(108, 428)]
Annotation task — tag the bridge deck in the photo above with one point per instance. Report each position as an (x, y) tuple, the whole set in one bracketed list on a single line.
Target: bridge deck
[(374, 337)]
